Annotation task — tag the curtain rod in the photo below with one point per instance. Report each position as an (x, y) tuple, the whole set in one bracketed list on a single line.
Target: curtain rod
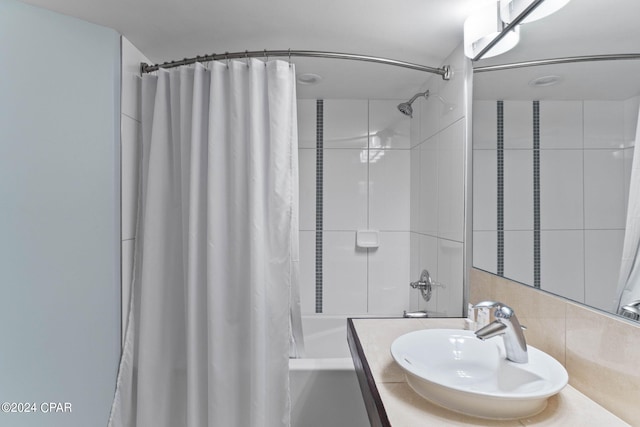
[(554, 61), (445, 71)]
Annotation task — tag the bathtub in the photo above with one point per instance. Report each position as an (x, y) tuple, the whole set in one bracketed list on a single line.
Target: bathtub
[(324, 386)]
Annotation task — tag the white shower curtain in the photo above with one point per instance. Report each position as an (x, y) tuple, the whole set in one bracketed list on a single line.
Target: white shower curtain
[(629, 279), (209, 329)]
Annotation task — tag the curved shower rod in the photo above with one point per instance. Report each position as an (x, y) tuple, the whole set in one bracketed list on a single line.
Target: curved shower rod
[(555, 61), (445, 71)]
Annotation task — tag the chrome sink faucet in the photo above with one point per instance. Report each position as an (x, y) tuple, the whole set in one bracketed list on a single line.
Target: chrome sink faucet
[(507, 325)]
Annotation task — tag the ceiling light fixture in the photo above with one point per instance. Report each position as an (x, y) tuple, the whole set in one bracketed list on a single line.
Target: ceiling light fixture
[(484, 26), (309, 79), (545, 81), (510, 9)]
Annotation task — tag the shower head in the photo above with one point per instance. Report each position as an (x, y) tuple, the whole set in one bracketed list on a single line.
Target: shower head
[(405, 107)]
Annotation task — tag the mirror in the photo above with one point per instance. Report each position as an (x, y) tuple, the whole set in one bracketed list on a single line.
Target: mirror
[(553, 148)]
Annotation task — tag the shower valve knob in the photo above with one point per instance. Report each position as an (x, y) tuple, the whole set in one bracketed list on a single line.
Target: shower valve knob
[(425, 284)]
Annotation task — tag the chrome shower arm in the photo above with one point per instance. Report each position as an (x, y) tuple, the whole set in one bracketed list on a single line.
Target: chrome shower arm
[(417, 95)]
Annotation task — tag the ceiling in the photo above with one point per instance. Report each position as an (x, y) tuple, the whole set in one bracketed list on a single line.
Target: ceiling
[(419, 31), (423, 31)]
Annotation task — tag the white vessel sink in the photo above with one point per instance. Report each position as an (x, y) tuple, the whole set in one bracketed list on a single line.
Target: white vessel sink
[(454, 369)]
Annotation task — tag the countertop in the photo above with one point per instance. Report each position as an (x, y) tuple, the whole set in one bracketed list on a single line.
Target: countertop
[(391, 402)]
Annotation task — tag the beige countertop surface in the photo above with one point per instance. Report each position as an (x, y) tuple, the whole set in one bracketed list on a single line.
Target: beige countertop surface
[(406, 408)]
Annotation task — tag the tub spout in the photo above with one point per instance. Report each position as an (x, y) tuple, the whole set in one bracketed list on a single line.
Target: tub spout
[(415, 314)]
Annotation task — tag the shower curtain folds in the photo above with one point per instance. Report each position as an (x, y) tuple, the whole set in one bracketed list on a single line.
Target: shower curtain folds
[(215, 282), (628, 290)]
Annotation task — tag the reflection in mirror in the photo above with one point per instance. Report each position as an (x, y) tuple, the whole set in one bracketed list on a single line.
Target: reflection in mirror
[(553, 152)]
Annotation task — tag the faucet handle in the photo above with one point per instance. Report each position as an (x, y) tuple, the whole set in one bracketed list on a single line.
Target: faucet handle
[(502, 310), (488, 304)]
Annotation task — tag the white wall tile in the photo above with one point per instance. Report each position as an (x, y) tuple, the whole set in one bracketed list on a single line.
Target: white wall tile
[(414, 271), (348, 183), (451, 107), (518, 256), (603, 251), (128, 248), (345, 123), (131, 81), (415, 125), (485, 125), (389, 274), (388, 127), (429, 117), (344, 274), (603, 124), (307, 188), (631, 107), (451, 182), (485, 190), (130, 151), (450, 274), (604, 189), (518, 189), (628, 163), (518, 124), (389, 190), (306, 123), (307, 272), (428, 260), (447, 99), (561, 124), (561, 187), (562, 263), (414, 184), (428, 222), (485, 250), (345, 190)]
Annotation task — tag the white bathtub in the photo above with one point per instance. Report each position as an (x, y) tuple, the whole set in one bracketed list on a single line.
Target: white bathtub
[(324, 387)]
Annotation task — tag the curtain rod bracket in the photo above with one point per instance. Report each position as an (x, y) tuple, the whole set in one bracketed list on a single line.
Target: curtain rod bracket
[(446, 74)]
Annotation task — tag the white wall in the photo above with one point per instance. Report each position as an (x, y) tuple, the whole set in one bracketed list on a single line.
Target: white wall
[(59, 222), (586, 148), (365, 186), (438, 158), (131, 134)]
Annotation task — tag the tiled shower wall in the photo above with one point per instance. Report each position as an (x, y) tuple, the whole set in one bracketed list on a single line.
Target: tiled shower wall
[(438, 158), (585, 153), (354, 175), (383, 171)]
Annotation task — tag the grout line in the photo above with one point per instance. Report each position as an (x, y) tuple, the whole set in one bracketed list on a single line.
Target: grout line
[(368, 169), (584, 219), (368, 189)]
